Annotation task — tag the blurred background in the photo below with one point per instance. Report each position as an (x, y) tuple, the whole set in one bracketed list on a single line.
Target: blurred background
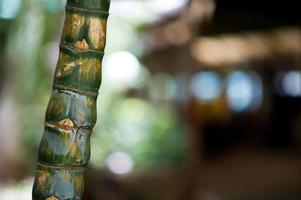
[(201, 99)]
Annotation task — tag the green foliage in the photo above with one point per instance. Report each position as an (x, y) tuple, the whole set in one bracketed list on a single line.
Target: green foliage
[(151, 134)]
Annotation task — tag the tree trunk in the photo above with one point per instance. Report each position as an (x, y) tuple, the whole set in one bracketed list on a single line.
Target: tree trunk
[(71, 114)]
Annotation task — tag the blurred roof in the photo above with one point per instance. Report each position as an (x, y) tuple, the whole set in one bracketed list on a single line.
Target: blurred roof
[(235, 15), (265, 30)]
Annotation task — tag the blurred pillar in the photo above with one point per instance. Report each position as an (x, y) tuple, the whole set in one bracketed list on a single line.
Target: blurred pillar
[(193, 189)]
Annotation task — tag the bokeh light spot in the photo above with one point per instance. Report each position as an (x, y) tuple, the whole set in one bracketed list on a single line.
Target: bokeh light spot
[(291, 83), (166, 6), (120, 163), (9, 8), (121, 69), (244, 91), (206, 86)]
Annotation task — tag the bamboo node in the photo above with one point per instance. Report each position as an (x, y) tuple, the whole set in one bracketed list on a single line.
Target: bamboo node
[(82, 45), (52, 198), (66, 124)]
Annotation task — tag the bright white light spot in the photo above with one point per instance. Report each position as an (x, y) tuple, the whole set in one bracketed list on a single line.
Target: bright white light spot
[(9, 8), (121, 69), (239, 91), (165, 6), (20, 190), (120, 163), (206, 86), (291, 83), (139, 11)]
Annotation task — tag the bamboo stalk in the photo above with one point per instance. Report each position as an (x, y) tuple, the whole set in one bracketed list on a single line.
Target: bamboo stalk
[(71, 113)]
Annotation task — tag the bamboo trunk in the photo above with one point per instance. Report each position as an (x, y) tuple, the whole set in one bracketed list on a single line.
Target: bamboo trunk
[(71, 114)]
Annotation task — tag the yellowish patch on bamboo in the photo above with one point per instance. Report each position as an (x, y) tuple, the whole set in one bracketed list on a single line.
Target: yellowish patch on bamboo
[(97, 32), (58, 74), (66, 69), (42, 178), (78, 182), (55, 106), (73, 24), (60, 64), (91, 102), (52, 198), (69, 66), (74, 151), (66, 124), (82, 45), (90, 70)]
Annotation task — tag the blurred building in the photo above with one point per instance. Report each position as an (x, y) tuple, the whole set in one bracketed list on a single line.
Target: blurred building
[(201, 99)]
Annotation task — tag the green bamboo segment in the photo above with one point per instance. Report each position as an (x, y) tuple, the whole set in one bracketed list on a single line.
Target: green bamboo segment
[(69, 110), (71, 113), (65, 148), (58, 183), (78, 70), (85, 28), (102, 5)]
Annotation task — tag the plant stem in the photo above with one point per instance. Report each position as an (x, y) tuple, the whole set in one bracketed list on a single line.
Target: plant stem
[(71, 113)]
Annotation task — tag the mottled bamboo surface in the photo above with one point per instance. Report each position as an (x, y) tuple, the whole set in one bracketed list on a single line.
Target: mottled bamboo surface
[(71, 113)]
